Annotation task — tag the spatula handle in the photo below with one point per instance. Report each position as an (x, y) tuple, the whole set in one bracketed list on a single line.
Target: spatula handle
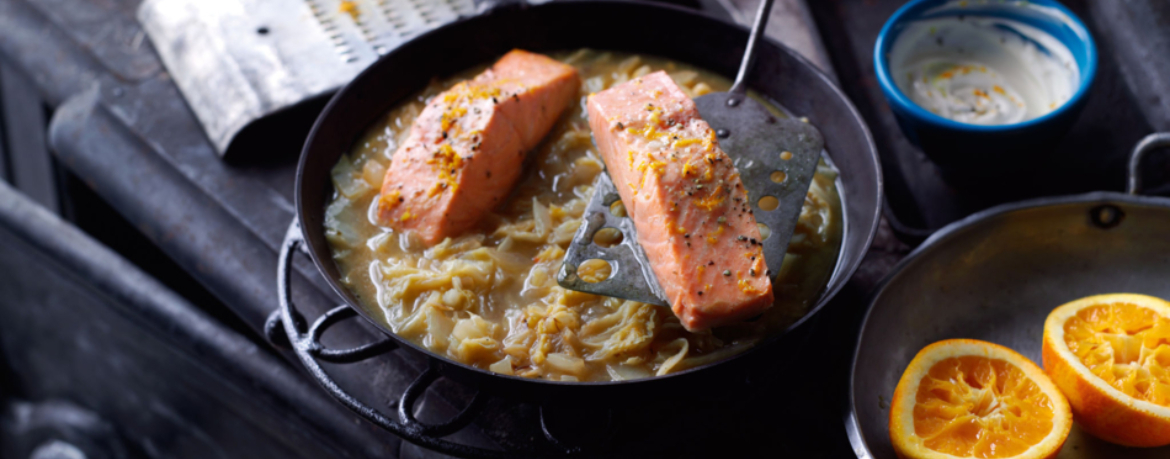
[(749, 54)]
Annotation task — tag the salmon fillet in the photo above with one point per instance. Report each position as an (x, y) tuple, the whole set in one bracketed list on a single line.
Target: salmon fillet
[(686, 198), (466, 149)]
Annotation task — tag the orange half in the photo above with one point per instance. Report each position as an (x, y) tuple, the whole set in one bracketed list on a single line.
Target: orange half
[(965, 398), (1110, 355)]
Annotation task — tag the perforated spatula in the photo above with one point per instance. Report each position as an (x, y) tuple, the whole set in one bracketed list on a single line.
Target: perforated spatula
[(776, 159)]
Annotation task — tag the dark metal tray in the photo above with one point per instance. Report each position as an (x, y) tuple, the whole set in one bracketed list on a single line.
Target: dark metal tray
[(995, 276)]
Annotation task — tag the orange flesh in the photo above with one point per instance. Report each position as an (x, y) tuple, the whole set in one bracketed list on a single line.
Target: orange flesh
[(686, 199), (1127, 346), (974, 406), (466, 149)]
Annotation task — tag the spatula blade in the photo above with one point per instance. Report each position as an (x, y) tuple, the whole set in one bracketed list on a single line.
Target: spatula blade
[(756, 140), (631, 277), (776, 157)]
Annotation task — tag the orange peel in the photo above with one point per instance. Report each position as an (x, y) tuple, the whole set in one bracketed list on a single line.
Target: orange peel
[(1110, 355), (964, 398)]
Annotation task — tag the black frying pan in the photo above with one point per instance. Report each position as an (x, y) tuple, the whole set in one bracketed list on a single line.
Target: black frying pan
[(635, 27)]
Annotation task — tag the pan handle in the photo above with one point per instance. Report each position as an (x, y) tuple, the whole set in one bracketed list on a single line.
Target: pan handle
[(1147, 144), (287, 328)]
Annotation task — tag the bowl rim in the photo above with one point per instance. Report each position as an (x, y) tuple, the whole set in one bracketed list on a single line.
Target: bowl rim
[(900, 102)]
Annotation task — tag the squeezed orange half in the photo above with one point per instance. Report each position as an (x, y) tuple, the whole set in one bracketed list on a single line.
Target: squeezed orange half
[(1110, 355), (969, 398)]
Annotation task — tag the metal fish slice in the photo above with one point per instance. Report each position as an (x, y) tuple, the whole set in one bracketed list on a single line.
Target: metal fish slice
[(776, 159)]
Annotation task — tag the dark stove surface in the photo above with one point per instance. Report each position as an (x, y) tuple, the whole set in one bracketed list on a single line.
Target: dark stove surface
[(121, 125)]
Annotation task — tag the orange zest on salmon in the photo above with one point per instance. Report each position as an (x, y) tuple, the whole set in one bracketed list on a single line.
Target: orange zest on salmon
[(467, 147), (688, 204)]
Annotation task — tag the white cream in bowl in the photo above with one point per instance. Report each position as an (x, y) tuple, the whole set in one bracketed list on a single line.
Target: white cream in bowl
[(982, 69)]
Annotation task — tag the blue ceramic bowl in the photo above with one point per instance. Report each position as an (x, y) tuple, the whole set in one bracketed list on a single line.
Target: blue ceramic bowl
[(982, 150)]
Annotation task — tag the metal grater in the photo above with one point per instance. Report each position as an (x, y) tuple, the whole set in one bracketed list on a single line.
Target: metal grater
[(237, 61), (381, 25)]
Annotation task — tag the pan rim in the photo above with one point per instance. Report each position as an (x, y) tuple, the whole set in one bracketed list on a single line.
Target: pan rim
[(853, 428), (845, 272)]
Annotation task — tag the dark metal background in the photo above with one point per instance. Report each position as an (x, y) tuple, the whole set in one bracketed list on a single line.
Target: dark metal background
[(80, 324), (131, 138)]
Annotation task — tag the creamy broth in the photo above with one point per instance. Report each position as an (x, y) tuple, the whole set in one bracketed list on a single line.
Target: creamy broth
[(490, 298)]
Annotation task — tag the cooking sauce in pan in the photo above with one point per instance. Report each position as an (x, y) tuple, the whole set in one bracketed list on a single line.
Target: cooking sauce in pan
[(490, 298)]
